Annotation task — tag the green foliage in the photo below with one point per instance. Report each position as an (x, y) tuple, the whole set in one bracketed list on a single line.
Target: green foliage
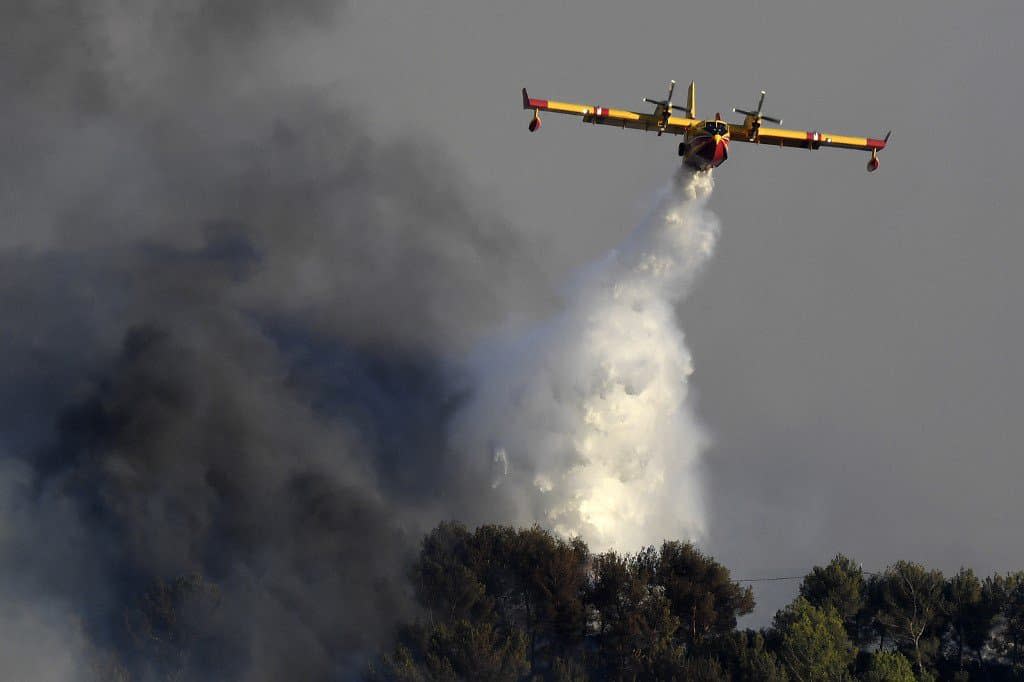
[(839, 585), (1007, 594), (889, 666), (507, 604), (477, 652), (445, 581), (501, 603), (701, 594), (913, 608), (633, 620), (551, 575), (971, 613), (458, 651), (747, 658), (813, 642), (703, 670), (520, 580)]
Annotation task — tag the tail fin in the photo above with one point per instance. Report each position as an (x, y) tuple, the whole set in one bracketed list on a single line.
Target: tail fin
[(691, 100)]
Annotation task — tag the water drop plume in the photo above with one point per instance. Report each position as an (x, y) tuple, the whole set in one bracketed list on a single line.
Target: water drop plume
[(585, 420)]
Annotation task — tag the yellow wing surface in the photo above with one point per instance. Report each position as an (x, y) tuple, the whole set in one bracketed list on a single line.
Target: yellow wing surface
[(805, 139), (618, 118)]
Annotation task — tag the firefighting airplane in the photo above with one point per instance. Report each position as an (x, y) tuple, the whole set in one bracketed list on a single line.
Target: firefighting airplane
[(705, 143)]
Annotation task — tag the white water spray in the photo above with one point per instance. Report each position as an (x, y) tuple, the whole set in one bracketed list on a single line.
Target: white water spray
[(585, 421)]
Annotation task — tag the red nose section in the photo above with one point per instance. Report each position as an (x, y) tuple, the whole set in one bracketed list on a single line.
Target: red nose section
[(721, 152), (705, 152)]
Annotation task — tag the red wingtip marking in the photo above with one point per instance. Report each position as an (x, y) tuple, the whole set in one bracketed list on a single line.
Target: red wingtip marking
[(875, 144), (529, 103)]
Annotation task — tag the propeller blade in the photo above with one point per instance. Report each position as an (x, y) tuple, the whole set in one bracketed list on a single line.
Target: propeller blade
[(757, 114), (656, 101), (671, 89)]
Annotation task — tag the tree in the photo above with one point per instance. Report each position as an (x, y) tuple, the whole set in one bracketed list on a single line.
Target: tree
[(839, 585), (551, 574), (889, 666), (532, 581), (1008, 597), (913, 609), (443, 576), (456, 651), (813, 642), (970, 613), (635, 626), (979, 633), (517, 579), (703, 670), (699, 591), (747, 658)]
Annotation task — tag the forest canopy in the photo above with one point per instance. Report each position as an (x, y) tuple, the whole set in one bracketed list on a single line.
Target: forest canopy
[(501, 603), (505, 603)]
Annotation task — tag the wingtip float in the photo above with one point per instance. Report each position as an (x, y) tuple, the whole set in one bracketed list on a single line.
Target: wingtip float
[(705, 142)]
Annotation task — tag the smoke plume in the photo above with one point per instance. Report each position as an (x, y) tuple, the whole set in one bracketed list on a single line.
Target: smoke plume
[(227, 407), (586, 420), (224, 309)]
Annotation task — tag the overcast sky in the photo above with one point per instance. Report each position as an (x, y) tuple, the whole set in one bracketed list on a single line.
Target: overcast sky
[(857, 336), (301, 215)]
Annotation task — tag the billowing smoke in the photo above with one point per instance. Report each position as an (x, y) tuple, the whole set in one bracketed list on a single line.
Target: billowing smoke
[(223, 305), (585, 421), (229, 319)]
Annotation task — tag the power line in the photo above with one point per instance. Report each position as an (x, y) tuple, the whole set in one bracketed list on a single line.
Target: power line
[(784, 577)]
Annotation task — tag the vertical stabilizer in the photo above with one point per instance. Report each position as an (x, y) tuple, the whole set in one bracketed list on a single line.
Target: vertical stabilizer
[(691, 100)]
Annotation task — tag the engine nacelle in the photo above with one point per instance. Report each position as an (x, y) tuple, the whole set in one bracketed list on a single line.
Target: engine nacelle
[(535, 122), (872, 164)]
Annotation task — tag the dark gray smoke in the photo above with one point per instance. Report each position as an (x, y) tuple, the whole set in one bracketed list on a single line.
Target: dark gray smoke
[(227, 315)]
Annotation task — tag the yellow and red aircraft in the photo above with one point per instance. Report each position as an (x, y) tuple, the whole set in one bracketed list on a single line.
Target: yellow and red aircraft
[(705, 143)]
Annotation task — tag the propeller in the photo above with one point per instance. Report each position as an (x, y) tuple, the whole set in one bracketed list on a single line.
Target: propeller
[(667, 103), (758, 116)]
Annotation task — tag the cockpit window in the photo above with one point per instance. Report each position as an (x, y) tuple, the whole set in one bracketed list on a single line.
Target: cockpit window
[(716, 127)]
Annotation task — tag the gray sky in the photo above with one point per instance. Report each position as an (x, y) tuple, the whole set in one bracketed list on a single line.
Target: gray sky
[(243, 239), (856, 337)]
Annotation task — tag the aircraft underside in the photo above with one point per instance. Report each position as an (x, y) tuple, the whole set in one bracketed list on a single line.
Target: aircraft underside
[(704, 152)]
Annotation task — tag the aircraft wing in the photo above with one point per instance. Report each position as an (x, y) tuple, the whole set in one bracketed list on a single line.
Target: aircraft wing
[(806, 139), (619, 118)]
